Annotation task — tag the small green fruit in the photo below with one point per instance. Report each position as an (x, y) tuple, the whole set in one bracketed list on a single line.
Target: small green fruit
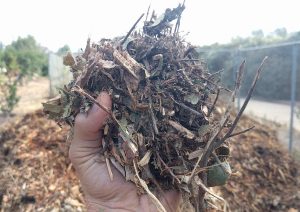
[(218, 174)]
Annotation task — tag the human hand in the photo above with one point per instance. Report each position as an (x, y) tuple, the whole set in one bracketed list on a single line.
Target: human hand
[(101, 193)]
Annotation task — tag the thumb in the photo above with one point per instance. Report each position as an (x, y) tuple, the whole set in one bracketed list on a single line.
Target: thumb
[(87, 126), (86, 142)]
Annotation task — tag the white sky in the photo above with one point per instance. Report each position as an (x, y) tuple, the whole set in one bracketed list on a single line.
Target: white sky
[(57, 22)]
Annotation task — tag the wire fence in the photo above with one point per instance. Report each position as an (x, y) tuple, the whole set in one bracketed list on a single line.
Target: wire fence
[(279, 83)]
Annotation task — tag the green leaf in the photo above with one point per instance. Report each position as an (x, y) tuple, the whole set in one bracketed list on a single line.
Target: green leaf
[(218, 175), (67, 110), (192, 98), (203, 130), (52, 108), (123, 123)]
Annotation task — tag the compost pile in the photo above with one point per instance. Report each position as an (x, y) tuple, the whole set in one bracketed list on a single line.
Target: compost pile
[(164, 131), (36, 175), (35, 172), (267, 178)]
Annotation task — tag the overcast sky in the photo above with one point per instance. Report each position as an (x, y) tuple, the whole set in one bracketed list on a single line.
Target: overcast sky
[(57, 22)]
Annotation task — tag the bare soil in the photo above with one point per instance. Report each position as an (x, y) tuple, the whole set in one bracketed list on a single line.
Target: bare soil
[(32, 93)]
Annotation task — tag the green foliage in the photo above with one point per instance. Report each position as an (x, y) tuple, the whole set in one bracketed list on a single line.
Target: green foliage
[(9, 99), (10, 59), (281, 32), (24, 56), (2, 65), (276, 76), (63, 50)]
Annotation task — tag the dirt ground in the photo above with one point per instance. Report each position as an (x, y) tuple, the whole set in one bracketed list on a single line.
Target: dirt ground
[(36, 175), (32, 94)]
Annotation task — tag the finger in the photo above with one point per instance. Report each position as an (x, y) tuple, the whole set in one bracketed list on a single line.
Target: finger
[(87, 126)]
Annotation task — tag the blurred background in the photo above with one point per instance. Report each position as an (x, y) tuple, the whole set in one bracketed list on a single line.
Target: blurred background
[(35, 35)]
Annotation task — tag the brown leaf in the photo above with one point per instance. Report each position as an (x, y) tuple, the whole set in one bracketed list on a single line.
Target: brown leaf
[(69, 60)]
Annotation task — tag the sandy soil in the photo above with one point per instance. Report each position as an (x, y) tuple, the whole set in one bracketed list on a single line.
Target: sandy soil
[(32, 93)]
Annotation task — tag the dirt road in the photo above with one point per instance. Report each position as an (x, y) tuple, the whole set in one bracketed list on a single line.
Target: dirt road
[(273, 111)]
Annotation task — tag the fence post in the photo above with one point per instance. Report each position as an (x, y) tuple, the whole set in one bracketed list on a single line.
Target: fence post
[(293, 93)]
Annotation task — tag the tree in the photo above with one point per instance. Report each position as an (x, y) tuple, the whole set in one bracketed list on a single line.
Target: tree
[(10, 59), (26, 56), (2, 65), (23, 57), (258, 33), (63, 50), (281, 32), (9, 98)]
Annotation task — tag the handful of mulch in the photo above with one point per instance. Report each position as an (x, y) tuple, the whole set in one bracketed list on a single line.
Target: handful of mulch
[(164, 132)]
